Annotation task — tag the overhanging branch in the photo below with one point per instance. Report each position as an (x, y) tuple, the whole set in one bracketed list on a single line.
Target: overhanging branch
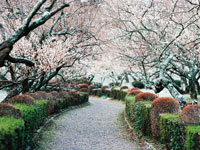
[(21, 60)]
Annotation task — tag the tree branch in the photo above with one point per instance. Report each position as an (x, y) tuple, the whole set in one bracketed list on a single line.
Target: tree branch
[(20, 60), (32, 13)]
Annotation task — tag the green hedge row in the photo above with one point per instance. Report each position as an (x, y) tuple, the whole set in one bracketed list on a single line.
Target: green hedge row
[(177, 136), (174, 135), (115, 93), (129, 109), (143, 117), (139, 114), (16, 134), (11, 133)]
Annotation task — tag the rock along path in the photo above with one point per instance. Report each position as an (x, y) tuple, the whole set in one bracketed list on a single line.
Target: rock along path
[(93, 127)]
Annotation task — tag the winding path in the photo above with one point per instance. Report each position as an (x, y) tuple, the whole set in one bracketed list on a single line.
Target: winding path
[(93, 127)]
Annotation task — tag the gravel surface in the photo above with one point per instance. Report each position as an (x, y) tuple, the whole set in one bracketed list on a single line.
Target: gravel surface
[(94, 127)]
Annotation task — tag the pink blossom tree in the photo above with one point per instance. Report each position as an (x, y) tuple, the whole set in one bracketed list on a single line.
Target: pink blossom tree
[(160, 38), (41, 38)]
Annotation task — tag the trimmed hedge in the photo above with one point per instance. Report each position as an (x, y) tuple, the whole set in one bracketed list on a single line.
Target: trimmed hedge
[(163, 113), (192, 138), (172, 133), (130, 111), (83, 96), (116, 93), (123, 94), (17, 133), (100, 92), (11, 133), (143, 117), (31, 120), (42, 109), (159, 106)]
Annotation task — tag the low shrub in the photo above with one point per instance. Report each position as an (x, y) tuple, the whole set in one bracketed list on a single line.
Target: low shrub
[(159, 106), (55, 95), (103, 88), (123, 87), (24, 99), (91, 88), (145, 96), (84, 97), (84, 90), (116, 93), (79, 99), (34, 95), (192, 138), (16, 133), (123, 94), (73, 93), (172, 132), (42, 94), (132, 89), (112, 92), (130, 111), (11, 133), (42, 109), (99, 92), (142, 117), (30, 116), (80, 86), (190, 114), (9, 111), (52, 107), (138, 84), (50, 96), (134, 92), (63, 94)]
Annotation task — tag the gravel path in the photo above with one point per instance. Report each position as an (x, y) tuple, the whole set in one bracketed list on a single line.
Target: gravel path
[(93, 127)]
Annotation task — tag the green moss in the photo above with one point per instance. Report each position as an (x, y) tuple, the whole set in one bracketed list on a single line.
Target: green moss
[(192, 138), (171, 131), (11, 133)]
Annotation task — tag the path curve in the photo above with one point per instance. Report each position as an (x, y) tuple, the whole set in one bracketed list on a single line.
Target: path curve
[(93, 127)]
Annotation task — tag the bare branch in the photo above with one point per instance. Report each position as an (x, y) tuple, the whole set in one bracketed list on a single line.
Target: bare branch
[(21, 60)]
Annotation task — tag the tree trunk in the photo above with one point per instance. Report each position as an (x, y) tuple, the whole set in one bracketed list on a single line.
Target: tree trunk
[(198, 87), (193, 89), (173, 91)]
